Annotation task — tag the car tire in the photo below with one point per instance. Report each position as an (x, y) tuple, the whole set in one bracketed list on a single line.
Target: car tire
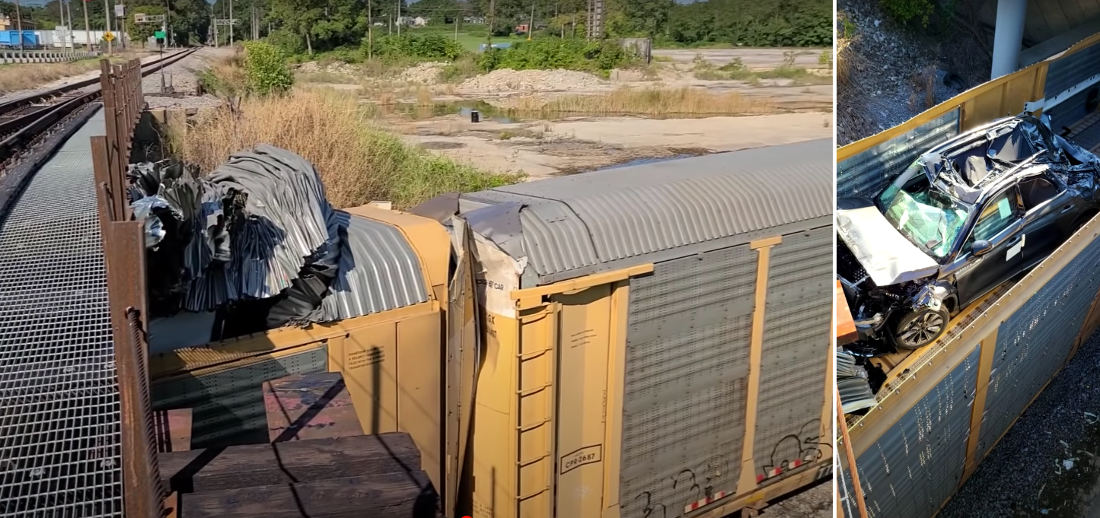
[(920, 328)]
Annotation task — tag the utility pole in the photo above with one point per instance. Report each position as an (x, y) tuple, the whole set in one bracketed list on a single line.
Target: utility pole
[(72, 33), (492, 20), (167, 24), (61, 11), (398, 18), (370, 32), (230, 23), (214, 22), (87, 28), (19, 24), (107, 20), (120, 26), (531, 27)]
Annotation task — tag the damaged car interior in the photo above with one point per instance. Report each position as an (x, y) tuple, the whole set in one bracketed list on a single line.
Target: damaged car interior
[(966, 218)]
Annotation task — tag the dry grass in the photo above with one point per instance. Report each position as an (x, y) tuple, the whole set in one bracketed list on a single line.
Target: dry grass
[(23, 76), (358, 163), (650, 101), (226, 76)]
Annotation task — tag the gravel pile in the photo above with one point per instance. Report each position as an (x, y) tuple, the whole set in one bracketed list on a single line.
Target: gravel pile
[(508, 80), (891, 67), (424, 73), (336, 67)]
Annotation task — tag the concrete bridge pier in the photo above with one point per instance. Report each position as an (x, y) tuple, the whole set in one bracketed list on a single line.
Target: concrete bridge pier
[(1008, 36)]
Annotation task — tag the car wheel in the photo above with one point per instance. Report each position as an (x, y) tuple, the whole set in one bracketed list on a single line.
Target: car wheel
[(920, 328)]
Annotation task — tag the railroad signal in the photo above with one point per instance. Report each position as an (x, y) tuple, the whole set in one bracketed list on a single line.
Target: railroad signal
[(109, 36)]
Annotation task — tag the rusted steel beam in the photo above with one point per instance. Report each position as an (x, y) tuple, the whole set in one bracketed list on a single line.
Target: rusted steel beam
[(124, 254)]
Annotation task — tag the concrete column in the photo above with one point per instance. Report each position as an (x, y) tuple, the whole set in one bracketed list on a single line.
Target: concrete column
[(1008, 36)]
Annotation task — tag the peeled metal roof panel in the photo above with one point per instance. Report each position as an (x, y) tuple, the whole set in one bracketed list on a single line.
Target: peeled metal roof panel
[(582, 220), (554, 236), (378, 271)]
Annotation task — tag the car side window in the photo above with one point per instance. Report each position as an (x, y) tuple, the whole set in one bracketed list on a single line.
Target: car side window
[(1000, 212), (1036, 190)]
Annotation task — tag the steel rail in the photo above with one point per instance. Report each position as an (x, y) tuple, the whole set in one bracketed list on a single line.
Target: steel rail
[(19, 130)]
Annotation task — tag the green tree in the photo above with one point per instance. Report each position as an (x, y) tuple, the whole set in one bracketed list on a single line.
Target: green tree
[(141, 32)]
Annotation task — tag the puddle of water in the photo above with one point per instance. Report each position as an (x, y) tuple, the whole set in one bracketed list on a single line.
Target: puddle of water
[(488, 112), (463, 109)]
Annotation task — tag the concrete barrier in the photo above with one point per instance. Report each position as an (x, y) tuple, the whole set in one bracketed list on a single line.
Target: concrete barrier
[(9, 56)]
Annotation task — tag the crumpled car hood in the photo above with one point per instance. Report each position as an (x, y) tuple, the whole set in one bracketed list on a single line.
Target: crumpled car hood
[(888, 256)]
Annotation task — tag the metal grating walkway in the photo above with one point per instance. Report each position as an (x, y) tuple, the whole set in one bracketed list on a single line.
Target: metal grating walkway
[(59, 409)]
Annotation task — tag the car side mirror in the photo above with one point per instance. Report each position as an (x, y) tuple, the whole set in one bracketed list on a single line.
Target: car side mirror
[(981, 247)]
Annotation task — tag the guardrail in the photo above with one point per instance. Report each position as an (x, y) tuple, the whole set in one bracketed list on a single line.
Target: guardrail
[(123, 248), (9, 56)]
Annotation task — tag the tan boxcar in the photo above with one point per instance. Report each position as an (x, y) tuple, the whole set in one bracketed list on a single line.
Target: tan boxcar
[(655, 337), (662, 351)]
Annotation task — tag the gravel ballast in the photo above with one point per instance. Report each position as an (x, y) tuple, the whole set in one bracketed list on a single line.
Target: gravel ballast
[(1046, 464)]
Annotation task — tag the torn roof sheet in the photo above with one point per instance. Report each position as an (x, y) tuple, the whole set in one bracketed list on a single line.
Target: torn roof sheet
[(378, 271), (578, 224)]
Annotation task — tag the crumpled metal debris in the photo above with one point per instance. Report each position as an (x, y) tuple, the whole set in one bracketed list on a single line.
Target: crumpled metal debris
[(143, 211), (246, 230)]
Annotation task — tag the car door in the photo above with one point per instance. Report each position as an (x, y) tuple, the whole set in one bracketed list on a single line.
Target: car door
[(999, 222), (1049, 213)]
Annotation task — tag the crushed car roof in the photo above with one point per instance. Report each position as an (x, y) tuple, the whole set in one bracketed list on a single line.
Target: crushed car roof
[(979, 158)]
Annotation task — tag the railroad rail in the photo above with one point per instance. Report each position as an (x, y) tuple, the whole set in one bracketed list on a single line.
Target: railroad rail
[(25, 118), (75, 424)]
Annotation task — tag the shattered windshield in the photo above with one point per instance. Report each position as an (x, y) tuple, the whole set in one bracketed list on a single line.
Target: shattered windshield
[(927, 217)]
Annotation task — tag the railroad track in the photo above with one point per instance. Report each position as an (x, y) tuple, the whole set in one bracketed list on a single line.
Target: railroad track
[(23, 119)]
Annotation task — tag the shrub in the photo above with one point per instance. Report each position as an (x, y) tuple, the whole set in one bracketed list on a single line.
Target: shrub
[(463, 68), (266, 69), (427, 46), (909, 11), (550, 53), (358, 162), (225, 77)]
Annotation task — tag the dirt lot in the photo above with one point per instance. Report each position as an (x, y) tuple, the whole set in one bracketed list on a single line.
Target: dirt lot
[(548, 148), (435, 114)]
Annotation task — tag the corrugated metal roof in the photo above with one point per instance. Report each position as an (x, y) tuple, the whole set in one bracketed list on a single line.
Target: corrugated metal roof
[(379, 271), (573, 225)]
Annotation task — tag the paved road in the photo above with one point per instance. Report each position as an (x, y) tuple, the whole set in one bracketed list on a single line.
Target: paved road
[(755, 58)]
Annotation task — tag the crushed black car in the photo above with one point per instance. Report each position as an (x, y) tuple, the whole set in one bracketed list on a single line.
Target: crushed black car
[(968, 215)]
